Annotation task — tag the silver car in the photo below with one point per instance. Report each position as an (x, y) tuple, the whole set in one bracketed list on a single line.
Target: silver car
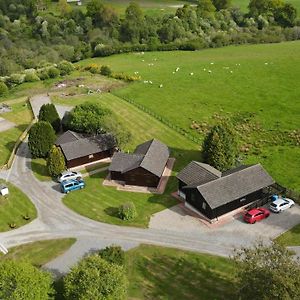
[(281, 204), (69, 175)]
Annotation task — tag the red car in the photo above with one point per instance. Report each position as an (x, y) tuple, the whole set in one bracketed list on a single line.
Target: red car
[(256, 214)]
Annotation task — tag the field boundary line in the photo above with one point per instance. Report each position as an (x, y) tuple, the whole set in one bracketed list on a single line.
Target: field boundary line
[(161, 119)]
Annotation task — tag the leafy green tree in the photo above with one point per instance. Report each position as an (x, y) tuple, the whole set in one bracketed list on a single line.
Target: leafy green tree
[(3, 88), (127, 211), (95, 279), (22, 281), (49, 114), (220, 147), (31, 77), (113, 254), (267, 272), (41, 138), (286, 15), (205, 8), (55, 161), (87, 118), (65, 68), (105, 71), (221, 4), (53, 72)]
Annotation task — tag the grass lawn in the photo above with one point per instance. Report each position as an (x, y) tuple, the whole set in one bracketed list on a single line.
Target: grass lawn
[(41, 252), (164, 273), (21, 115), (14, 207), (101, 203), (262, 87), (291, 237), (39, 169)]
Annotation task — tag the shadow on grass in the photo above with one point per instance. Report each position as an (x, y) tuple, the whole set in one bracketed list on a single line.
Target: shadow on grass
[(179, 278), (112, 211), (184, 157), (59, 289), (39, 168)]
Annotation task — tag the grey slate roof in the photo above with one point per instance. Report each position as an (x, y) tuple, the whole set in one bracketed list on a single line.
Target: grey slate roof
[(196, 173), (83, 146), (151, 156), (235, 185), (67, 137)]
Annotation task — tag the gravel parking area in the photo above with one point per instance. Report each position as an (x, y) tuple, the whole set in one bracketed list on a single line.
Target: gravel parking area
[(178, 219), (5, 125)]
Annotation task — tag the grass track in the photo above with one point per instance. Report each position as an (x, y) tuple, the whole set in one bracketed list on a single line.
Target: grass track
[(14, 207), (165, 273)]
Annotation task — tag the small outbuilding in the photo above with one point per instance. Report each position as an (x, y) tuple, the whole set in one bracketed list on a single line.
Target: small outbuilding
[(144, 167), (214, 194), (79, 149), (3, 190)]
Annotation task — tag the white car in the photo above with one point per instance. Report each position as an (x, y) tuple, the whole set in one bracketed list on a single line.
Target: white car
[(69, 175), (281, 204)]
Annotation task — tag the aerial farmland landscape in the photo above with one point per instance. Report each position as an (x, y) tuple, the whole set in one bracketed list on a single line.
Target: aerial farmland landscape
[(149, 149)]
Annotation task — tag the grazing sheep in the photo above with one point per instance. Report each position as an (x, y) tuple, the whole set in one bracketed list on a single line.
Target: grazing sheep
[(266, 63), (177, 69), (192, 74), (150, 81), (173, 72), (212, 63), (209, 71), (231, 72), (143, 60), (145, 81), (204, 69), (160, 86)]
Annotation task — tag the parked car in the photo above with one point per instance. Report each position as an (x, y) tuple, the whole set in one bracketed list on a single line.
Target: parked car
[(256, 214), (71, 185), (281, 204), (68, 175)]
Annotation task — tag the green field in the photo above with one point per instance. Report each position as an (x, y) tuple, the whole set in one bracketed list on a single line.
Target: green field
[(260, 96), (21, 115), (291, 237), (14, 207), (41, 252), (165, 273)]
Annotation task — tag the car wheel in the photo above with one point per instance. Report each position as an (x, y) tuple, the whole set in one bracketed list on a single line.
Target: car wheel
[(267, 216), (254, 222), (67, 192), (81, 187)]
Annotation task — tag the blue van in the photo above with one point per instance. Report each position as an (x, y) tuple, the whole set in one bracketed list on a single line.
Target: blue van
[(71, 185)]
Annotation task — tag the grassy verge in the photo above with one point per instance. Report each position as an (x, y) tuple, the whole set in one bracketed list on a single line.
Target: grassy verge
[(101, 203), (291, 237), (14, 207), (41, 252), (39, 169), (165, 273)]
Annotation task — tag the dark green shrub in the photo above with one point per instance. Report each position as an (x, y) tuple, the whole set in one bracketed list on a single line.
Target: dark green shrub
[(43, 74), (105, 71), (55, 161), (31, 77), (3, 88), (127, 211), (49, 114), (41, 138), (65, 68), (113, 254), (53, 72)]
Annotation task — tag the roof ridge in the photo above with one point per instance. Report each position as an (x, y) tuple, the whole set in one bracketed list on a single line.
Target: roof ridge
[(74, 134), (220, 178), (200, 165)]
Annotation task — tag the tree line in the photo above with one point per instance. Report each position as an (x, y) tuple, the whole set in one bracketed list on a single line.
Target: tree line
[(31, 36)]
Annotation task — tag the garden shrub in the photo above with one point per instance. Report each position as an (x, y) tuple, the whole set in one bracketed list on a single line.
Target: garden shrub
[(49, 114), (16, 78), (127, 211), (3, 88), (31, 77), (65, 68), (55, 161), (105, 71), (53, 72), (113, 254), (41, 138), (43, 74)]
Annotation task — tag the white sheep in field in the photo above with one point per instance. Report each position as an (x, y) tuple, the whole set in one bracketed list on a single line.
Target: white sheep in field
[(204, 69), (150, 81), (209, 71), (145, 81), (231, 72), (191, 73), (160, 86), (173, 72), (212, 63), (177, 69)]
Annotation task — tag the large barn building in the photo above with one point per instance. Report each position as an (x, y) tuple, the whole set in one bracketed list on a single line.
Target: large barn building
[(79, 149), (213, 193), (142, 168)]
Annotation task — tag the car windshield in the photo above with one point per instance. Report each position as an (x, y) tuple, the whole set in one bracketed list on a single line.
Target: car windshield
[(273, 204), (248, 215)]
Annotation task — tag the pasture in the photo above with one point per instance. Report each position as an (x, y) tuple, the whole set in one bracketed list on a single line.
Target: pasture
[(254, 86)]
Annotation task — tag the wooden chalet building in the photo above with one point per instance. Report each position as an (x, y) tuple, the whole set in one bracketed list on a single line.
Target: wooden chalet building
[(79, 149), (142, 168), (213, 193)]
